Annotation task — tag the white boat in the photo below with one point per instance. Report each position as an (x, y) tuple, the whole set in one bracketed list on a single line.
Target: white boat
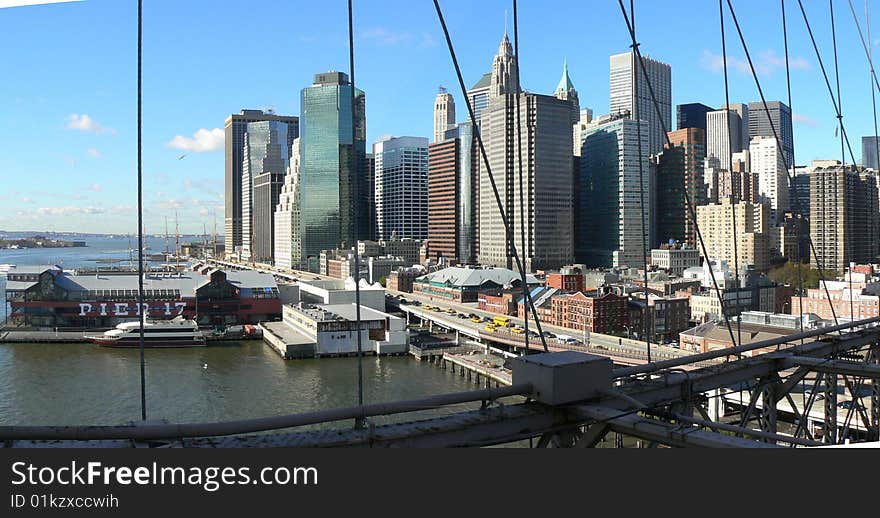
[(178, 332)]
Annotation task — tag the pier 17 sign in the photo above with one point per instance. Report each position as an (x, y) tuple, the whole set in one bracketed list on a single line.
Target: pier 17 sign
[(126, 309)]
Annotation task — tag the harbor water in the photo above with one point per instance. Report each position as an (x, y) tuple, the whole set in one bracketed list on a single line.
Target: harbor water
[(82, 384)]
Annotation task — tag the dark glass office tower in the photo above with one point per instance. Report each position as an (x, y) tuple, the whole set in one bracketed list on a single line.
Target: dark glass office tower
[(335, 182), (692, 115)]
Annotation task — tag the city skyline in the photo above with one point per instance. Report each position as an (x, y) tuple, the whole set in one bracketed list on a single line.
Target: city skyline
[(85, 181)]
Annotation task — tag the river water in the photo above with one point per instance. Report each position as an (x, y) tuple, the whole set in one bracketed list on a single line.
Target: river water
[(67, 384)]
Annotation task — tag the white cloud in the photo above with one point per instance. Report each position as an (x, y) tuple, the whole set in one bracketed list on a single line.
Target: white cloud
[(22, 3), (95, 187), (95, 152), (27, 200), (202, 141), (799, 118), (69, 211), (384, 36), (82, 122), (766, 63)]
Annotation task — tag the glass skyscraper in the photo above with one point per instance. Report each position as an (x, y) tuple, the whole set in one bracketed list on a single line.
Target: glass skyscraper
[(334, 180)]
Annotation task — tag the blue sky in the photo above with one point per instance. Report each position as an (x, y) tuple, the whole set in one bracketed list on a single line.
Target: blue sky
[(67, 98)]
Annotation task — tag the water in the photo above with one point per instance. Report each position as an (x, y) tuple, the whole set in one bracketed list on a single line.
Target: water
[(79, 384), (70, 384)]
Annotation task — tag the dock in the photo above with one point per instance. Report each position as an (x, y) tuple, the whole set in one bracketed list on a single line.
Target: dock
[(468, 360)]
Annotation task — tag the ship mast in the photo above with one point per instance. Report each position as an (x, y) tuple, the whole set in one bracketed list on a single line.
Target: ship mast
[(176, 243), (166, 238)]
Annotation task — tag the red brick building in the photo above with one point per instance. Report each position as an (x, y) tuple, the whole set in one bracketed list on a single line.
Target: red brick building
[(573, 282), (606, 314)]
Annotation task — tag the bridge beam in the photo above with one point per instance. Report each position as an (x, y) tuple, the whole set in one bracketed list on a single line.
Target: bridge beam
[(829, 432), (862, 370), (592, 436), (675, 435), (875, 394)]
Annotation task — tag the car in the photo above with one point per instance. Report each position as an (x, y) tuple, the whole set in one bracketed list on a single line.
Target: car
[(491, 329), (436, 309), (476, 320), (849, 404), (518, 330), (416, 303), (548, 334), (461, 316), (450, 311)]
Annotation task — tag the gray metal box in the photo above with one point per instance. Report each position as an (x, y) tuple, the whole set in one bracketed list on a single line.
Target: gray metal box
[(564, 377)]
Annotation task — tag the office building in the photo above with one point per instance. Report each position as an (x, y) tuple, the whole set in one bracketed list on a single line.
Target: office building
[(743, 111), (624, 70), (542, 209), (288, 221), (401, 177), (584, 122), (679, 181), (768, 165), (444, 114), (452, 188), (777, 116), (870, 156), (334, 179), (565, 91), (843, 217), (692, 115), (752, 233), (478, 96), (235, 128), (611, 195), (723, 136), (265, 160)]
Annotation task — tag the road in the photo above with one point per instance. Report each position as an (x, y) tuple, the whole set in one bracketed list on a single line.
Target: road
[(635, 347)]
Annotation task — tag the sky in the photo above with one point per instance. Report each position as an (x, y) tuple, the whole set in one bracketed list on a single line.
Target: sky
[(68, 129)]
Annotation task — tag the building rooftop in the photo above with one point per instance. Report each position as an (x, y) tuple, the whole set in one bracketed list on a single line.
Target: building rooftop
[(475, 277)]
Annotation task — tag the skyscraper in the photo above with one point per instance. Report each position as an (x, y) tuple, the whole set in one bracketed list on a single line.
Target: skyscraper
[(680, 171), (723, 136), (692, 115), (844, 217), (235, 127), (334, 180), (743, 111), (779, 114), (266, 157), (768, 166), (752, 233), (612, 194), (624, 69), (452, 188), (546, 133), (869, 153), (402, 187), (565, 91), (444, 114), (478, 95), (288, 229)]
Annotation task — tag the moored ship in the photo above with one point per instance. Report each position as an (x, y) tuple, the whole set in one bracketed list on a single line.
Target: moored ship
[(178, 332)]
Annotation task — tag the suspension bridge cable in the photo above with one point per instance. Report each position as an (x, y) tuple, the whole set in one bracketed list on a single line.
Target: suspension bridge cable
[(355, 223), (798, 255), (692, 211), (824, 74), (140, 195), (870, 56), (522, 220), (734, 203), (505, 221), (776, 134), (644, 230)]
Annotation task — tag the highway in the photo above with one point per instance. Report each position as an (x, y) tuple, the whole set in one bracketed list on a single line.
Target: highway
[(625, 347)]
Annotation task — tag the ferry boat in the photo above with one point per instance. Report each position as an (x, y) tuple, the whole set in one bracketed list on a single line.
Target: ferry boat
[(179, 332)]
